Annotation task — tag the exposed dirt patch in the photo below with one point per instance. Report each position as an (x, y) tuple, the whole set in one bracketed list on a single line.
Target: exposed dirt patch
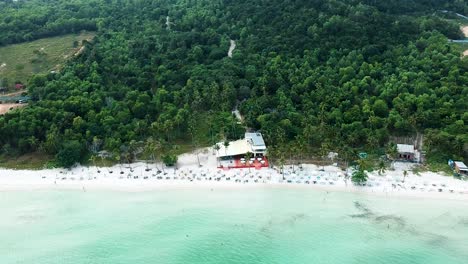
[(4, 108), (82, 48), (465, 30), (80, 51)]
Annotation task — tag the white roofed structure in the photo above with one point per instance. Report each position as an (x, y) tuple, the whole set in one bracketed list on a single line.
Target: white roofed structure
[(408, 153), (460, 167), (404, 148), (256, 142), (253, 143), (234, 148)]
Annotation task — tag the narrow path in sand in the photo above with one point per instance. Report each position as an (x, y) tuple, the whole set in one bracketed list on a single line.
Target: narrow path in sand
[(231, 48), (168, 23)]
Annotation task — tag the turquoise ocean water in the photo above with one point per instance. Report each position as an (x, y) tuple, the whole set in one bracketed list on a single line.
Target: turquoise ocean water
[(263, 225)]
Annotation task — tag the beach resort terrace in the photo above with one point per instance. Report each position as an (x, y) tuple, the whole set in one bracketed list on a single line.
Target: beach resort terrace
[(249, 152)]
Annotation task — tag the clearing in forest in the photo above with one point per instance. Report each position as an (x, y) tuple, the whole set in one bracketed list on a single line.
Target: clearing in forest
[(465, 32), (7, 107), (20, 61)]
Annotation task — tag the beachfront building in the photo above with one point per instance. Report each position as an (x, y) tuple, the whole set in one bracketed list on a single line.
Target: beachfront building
[(408, 153), (460, 168), (256, 142), (243, 153)]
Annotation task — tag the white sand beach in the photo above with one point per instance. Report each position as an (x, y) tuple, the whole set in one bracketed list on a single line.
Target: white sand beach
[(188, 174)]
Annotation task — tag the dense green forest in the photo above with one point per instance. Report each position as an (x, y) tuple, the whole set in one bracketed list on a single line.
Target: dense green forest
[(26, 20), (316, 74)]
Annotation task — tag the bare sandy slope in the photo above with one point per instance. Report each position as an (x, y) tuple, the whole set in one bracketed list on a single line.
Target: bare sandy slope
[(6, 107), (465, 31)]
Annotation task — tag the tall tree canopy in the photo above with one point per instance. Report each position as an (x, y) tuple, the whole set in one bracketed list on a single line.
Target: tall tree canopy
[(344, 73)]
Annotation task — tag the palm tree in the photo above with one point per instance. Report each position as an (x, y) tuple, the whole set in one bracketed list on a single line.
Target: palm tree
[(118, 158), (134, 148), (382, 167), (226, 145), (197, 152), (216, 147), (248, 156), (153, 148), (148, 151), (103, 163), (348, 155), (323, 153), (193, 131), (125, 155), (359, 177), (281, 160), (281, 163), (392, 152), (301, 148), (175, 149), (147, 154), (363, 164), (93, 160), (292, 151)]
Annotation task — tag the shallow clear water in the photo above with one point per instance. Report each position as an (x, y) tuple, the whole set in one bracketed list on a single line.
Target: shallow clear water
[(229, 226)]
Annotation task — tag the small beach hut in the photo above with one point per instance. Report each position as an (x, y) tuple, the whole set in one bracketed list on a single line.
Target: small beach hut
[(406, 152), (460, 167)]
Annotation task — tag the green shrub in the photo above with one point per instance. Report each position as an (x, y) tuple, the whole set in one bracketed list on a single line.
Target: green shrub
[(169, 159), (70, 153), (359, 177)]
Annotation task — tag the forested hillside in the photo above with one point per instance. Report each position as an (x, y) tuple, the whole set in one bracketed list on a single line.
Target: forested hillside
[(26, 20), (317, 74)]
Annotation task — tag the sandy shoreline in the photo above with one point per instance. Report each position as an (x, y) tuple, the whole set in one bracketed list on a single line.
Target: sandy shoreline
[(141, 177), (138, 178)]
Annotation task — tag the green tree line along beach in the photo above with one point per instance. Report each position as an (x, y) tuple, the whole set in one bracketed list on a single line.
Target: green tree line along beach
[(311, 75)]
